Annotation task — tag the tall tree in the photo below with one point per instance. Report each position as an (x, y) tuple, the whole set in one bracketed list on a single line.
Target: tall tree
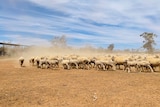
[(110, 47), (59, 41), (148, 41)]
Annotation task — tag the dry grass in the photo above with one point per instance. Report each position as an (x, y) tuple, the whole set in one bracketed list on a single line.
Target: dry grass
[(32, 87)]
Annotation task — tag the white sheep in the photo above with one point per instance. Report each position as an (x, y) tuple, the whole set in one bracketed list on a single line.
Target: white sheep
[(130, 63), (105, 64), (65, 63), (154, 62), (99, 65), (44, 62), (84, 62), (144, 63), (32, 61), (120, 61), (37, 61), (21, 61)]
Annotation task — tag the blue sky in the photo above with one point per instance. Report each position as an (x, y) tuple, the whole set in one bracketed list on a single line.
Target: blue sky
[(84, 22)]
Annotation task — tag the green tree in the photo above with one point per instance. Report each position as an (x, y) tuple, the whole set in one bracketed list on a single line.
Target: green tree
[(148, 41)]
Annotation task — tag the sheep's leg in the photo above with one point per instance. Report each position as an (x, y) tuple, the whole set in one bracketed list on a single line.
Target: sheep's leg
[(37, 63), (118, 66), (83, 66), (110, 66), (57, 64), (143, 68), (88, 66), (96, 66), (133, 67), (80, 66), (92, 65), (52, 65), (129, 69), (99, 66), (150, 68), (136, 67), (106, 66), (103, 66), (76, 65), (68, 67), (22, 62), (42, 65), (147, 68), (113, 67), (140, 68), (48, 65), (125, 67), (32, 62)]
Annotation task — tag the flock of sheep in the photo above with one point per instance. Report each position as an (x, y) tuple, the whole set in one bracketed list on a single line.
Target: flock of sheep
[(128, 63)]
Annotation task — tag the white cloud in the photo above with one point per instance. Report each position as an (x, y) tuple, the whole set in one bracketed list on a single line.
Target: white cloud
[(105, 21), (27, 40), (49, 3)]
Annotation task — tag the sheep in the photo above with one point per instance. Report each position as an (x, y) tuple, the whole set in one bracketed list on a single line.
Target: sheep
[(87, 64), (110, 63), (138, 64), (154, 62), (74, 56), (78, 62), (21, 61), (32, 61), (105, 64), (128, 64), (133, 61), (73, 63), (44, 62), (99, 65), (53, 63), (84, 62), (65, 63), (37, 60), (99, 62), (92, 62), (120, 61), (144, 63)]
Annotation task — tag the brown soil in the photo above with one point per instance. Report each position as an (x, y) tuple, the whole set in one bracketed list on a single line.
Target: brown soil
[(32, 87)]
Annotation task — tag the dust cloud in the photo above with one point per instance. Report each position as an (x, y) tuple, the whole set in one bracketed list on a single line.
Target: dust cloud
[(38, 51)]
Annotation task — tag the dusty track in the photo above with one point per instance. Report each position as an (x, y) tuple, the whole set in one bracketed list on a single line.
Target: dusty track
[(32, 87)]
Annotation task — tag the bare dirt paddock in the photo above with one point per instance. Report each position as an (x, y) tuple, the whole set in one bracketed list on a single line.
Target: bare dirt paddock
[(32, 87)]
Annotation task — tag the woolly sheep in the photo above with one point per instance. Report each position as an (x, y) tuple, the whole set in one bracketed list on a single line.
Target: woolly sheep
[(154, 62), (21, 61), (144, 63)]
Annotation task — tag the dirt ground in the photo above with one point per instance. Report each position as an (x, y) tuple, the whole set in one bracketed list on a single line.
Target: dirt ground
[(32, 87)]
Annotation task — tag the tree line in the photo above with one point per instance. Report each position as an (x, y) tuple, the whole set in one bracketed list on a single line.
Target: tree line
[(61, 42), (148, 43)]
